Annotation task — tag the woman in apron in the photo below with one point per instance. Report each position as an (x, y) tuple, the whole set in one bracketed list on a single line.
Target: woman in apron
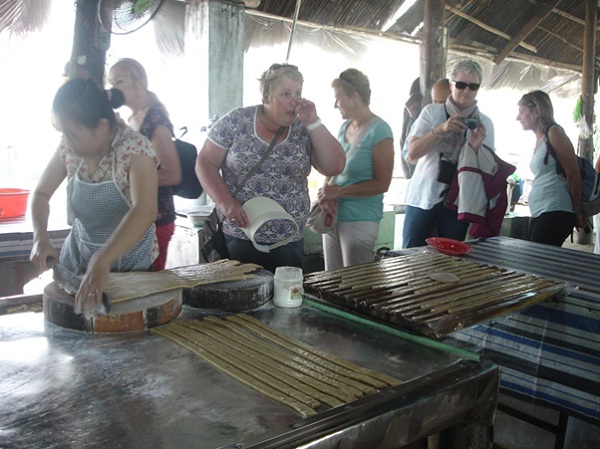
[(111, 192)]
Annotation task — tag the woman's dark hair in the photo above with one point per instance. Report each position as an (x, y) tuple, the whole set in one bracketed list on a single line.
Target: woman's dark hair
[(83, 102)]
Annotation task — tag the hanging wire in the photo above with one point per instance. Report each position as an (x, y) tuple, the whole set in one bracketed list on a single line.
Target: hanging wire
[(298, 2)]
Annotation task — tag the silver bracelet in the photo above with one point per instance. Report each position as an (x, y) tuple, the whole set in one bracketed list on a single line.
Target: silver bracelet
[(314, 125)]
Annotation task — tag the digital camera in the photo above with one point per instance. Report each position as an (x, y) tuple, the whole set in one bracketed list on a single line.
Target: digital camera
[(471, 122), (446, 171)]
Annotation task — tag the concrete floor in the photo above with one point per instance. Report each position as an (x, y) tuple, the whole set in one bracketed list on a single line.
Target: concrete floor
[(588, 248), (513, 433)]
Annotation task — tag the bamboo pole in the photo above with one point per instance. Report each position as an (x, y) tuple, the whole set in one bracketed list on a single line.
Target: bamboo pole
[(293, 31), (586, 147)]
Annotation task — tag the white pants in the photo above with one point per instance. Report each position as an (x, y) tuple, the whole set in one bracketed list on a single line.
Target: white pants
[(597, 232), (350, 243)]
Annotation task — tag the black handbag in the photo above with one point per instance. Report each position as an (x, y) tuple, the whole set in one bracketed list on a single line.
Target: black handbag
[(190, 185), (213, 237)]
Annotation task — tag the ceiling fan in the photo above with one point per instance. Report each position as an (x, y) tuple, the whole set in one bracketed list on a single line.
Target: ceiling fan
[(127, 16)]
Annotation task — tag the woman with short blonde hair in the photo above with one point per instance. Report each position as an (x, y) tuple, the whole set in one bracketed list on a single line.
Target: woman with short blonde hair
[(356, 194)]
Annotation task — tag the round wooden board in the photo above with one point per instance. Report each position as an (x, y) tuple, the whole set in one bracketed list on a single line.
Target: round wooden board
[(129, 316), (232, 296)]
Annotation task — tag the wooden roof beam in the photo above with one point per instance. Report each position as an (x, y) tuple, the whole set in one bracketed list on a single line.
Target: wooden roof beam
[(524, 32), (480, 24), (571, 17), (562, 39)]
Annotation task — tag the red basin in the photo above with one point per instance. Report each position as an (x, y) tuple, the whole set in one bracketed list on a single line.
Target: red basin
[(13, 202)]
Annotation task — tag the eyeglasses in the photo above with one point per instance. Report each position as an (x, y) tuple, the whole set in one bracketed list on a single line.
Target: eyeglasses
[(461, 85), (275, 67)]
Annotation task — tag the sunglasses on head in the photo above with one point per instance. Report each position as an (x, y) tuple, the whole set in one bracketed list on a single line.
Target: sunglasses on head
[(461, 85), (346, 79), (276, 67)]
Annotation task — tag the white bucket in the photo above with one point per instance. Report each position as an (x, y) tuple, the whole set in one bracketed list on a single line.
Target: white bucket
[(288, 287)]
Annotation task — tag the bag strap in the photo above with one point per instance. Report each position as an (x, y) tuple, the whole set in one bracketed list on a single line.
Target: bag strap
[(255, 168), (262, 159), (551, 151)]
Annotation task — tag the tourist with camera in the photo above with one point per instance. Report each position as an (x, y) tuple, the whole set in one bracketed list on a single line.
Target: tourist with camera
[(436, 140)]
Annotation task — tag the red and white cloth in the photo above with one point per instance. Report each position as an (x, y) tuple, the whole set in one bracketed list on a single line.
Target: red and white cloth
[(478, 190)]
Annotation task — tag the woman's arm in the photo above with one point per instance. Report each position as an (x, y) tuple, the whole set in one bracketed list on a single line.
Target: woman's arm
[(327, 156), (52, 177), (327, 206), (137, 221), (420, 146), (208, 165), (383, 165), (565, 153), (169, 173)]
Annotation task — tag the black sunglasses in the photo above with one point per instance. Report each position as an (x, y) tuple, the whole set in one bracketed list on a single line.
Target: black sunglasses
[(276, 67), (461, 85)]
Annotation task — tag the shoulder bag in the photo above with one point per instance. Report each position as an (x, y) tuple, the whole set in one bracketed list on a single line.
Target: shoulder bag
[(213, 238), (190, 185), (319, 222)]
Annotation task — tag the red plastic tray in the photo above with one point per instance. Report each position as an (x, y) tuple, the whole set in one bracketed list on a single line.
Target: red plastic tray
[(449, 246)]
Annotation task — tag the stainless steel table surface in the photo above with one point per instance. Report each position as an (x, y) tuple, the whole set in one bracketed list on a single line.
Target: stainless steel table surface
[(67, 389)]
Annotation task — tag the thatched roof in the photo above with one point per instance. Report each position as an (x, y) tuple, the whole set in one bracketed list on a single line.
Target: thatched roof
[(548, 32), (22, 16)]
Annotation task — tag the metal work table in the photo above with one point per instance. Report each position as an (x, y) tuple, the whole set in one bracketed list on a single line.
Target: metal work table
[(63, 389)]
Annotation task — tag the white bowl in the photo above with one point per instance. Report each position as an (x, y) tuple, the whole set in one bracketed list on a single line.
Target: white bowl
[(197, 215)]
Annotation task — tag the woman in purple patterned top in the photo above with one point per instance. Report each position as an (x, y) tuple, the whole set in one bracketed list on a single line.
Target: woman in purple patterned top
[(150, 117), (236, 143)]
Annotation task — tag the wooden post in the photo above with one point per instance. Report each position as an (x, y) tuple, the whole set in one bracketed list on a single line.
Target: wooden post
[(433, 47), (214, 36), (586, 146), (90, 42)]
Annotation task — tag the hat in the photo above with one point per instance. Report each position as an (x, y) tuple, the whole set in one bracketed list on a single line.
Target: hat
[(260, 210)]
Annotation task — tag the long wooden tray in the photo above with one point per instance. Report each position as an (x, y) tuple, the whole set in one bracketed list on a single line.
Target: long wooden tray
[(430, 293)]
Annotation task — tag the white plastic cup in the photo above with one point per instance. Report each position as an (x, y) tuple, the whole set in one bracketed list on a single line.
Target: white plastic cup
[(288, 289)]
